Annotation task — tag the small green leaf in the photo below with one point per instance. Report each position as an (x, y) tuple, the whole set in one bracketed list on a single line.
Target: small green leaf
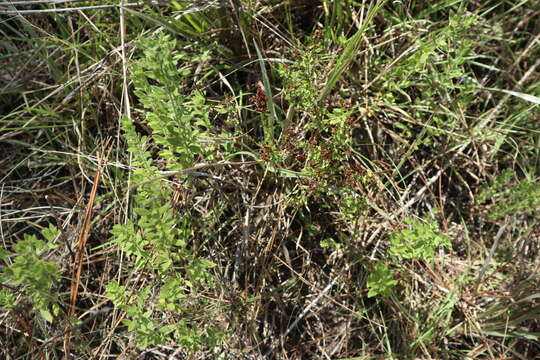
[(50, 233), (46, 315), (380, 281)]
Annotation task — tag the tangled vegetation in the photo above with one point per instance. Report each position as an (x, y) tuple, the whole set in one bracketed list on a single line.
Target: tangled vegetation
[(270, 179)]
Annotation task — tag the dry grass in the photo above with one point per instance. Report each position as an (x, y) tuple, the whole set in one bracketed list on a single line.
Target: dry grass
[(294, 207)]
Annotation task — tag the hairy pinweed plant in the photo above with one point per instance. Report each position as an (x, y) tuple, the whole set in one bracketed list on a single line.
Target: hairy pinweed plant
[(299, 79), (357, 112), (328, 149)]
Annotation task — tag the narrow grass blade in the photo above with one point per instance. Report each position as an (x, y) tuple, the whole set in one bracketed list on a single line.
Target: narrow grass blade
[(530, 98), (350, 51)]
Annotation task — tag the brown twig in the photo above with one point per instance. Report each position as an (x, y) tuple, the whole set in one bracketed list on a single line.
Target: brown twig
[(81, 245)]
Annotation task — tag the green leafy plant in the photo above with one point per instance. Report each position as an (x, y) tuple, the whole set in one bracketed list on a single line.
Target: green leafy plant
[(507, 198), (155, 240), (36, 276), (356, 113), (437, 66), (419, 241), (177, 120), (156, 244), (327, 151), (351, 207), (381, 280), (299, 79), (330, 243)]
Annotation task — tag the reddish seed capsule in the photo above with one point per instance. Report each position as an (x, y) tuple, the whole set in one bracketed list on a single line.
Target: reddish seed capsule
[(327, 153)]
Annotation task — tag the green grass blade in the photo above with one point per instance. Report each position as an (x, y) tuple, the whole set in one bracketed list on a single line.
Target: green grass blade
[(530, 98), (350, 51)]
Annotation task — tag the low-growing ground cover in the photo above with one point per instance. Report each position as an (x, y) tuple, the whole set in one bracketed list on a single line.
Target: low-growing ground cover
[(270, 179)]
